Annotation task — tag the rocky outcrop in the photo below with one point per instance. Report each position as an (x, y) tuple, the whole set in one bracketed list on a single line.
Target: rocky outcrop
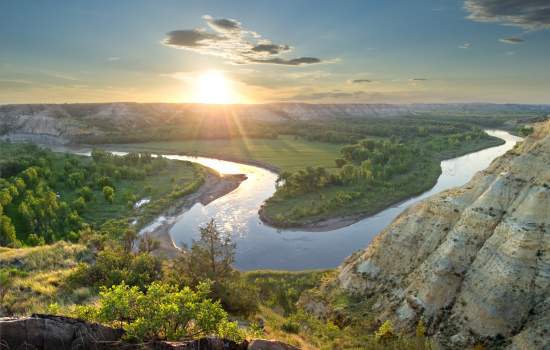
[(473, 262), (54, 332), (47, 332)]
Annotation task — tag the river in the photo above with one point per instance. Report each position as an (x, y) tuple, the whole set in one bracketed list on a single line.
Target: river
[(262, 247)]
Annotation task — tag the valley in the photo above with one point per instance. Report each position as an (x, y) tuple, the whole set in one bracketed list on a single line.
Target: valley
[(161, 198)]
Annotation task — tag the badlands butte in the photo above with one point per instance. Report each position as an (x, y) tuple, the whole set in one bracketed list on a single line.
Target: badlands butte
[(473, 263)]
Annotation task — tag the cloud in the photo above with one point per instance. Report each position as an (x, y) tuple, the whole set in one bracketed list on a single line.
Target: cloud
[(292, 62), (511, 40), (223, 24), (527, 14), (361, 81), (418, 79), (466, 45), (271, 48), (190, 38), (113, 58), (228, 39)]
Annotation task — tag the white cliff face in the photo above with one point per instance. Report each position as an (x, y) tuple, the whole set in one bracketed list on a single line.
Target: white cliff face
[(472, 262)]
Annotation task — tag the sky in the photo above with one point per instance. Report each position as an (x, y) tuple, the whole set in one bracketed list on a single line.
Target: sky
[(258, 51)]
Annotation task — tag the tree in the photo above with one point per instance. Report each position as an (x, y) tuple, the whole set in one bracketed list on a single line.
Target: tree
[(147, 244), (7, 231), (79, 204), (86, 193), (76, 179), (128, 240), (211, 256), (109, 194)]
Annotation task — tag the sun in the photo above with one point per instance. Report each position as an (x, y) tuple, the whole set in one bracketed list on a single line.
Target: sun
[(213, 88)]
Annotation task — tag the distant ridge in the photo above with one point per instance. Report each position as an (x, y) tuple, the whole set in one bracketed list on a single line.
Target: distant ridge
[(63, 123)]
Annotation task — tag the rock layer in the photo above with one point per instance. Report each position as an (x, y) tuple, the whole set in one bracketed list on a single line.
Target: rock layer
[(472, 262), (47, 332)]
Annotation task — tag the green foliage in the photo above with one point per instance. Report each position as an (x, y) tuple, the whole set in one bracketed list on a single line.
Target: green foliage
[(79, 204), (525, 130), (211, 258), (374, 174), (291, 326), (281, 290), (7, 232), (163, 312), (86, 193), (45, 196), (385, 332), (114, 265), (303, 181), (109, 194)]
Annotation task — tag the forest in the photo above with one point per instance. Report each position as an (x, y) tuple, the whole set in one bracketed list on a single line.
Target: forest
[(46, 197)]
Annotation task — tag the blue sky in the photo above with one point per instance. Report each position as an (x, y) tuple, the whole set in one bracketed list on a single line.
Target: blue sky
[(402, 51)]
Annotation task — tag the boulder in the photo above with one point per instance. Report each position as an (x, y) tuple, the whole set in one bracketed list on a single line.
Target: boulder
[(54, 332)]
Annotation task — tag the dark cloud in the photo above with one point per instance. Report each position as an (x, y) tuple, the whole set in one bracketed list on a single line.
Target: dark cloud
[(512, 40), (418, 79), (223, 24), (528, 14), (229, 40), (292, 62), (361, 81), (271, 48), (190, 38)]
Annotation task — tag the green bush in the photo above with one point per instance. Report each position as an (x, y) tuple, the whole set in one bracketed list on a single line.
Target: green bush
[(163, 312), (114, 266)]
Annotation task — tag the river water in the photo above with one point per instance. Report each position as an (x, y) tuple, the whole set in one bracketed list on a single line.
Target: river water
[(263, 247)]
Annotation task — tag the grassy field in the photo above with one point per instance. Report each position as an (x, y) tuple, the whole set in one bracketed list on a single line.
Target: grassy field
[(287, 153)]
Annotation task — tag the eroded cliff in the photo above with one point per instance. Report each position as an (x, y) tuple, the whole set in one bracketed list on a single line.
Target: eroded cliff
[(473, 262)]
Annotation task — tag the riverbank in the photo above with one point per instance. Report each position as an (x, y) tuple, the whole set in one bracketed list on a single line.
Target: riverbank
[(278, 211), (214, 187)]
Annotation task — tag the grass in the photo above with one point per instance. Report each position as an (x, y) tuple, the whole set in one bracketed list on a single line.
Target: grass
[(38, 274), (305, 331), (286, 153)]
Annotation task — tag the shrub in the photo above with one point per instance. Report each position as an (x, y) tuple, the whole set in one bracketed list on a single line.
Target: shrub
[(109, 194), (385, 332), (290, 326), (163, 312)]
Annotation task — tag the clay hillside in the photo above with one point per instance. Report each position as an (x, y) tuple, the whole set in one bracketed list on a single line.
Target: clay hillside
[(473, 262)]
